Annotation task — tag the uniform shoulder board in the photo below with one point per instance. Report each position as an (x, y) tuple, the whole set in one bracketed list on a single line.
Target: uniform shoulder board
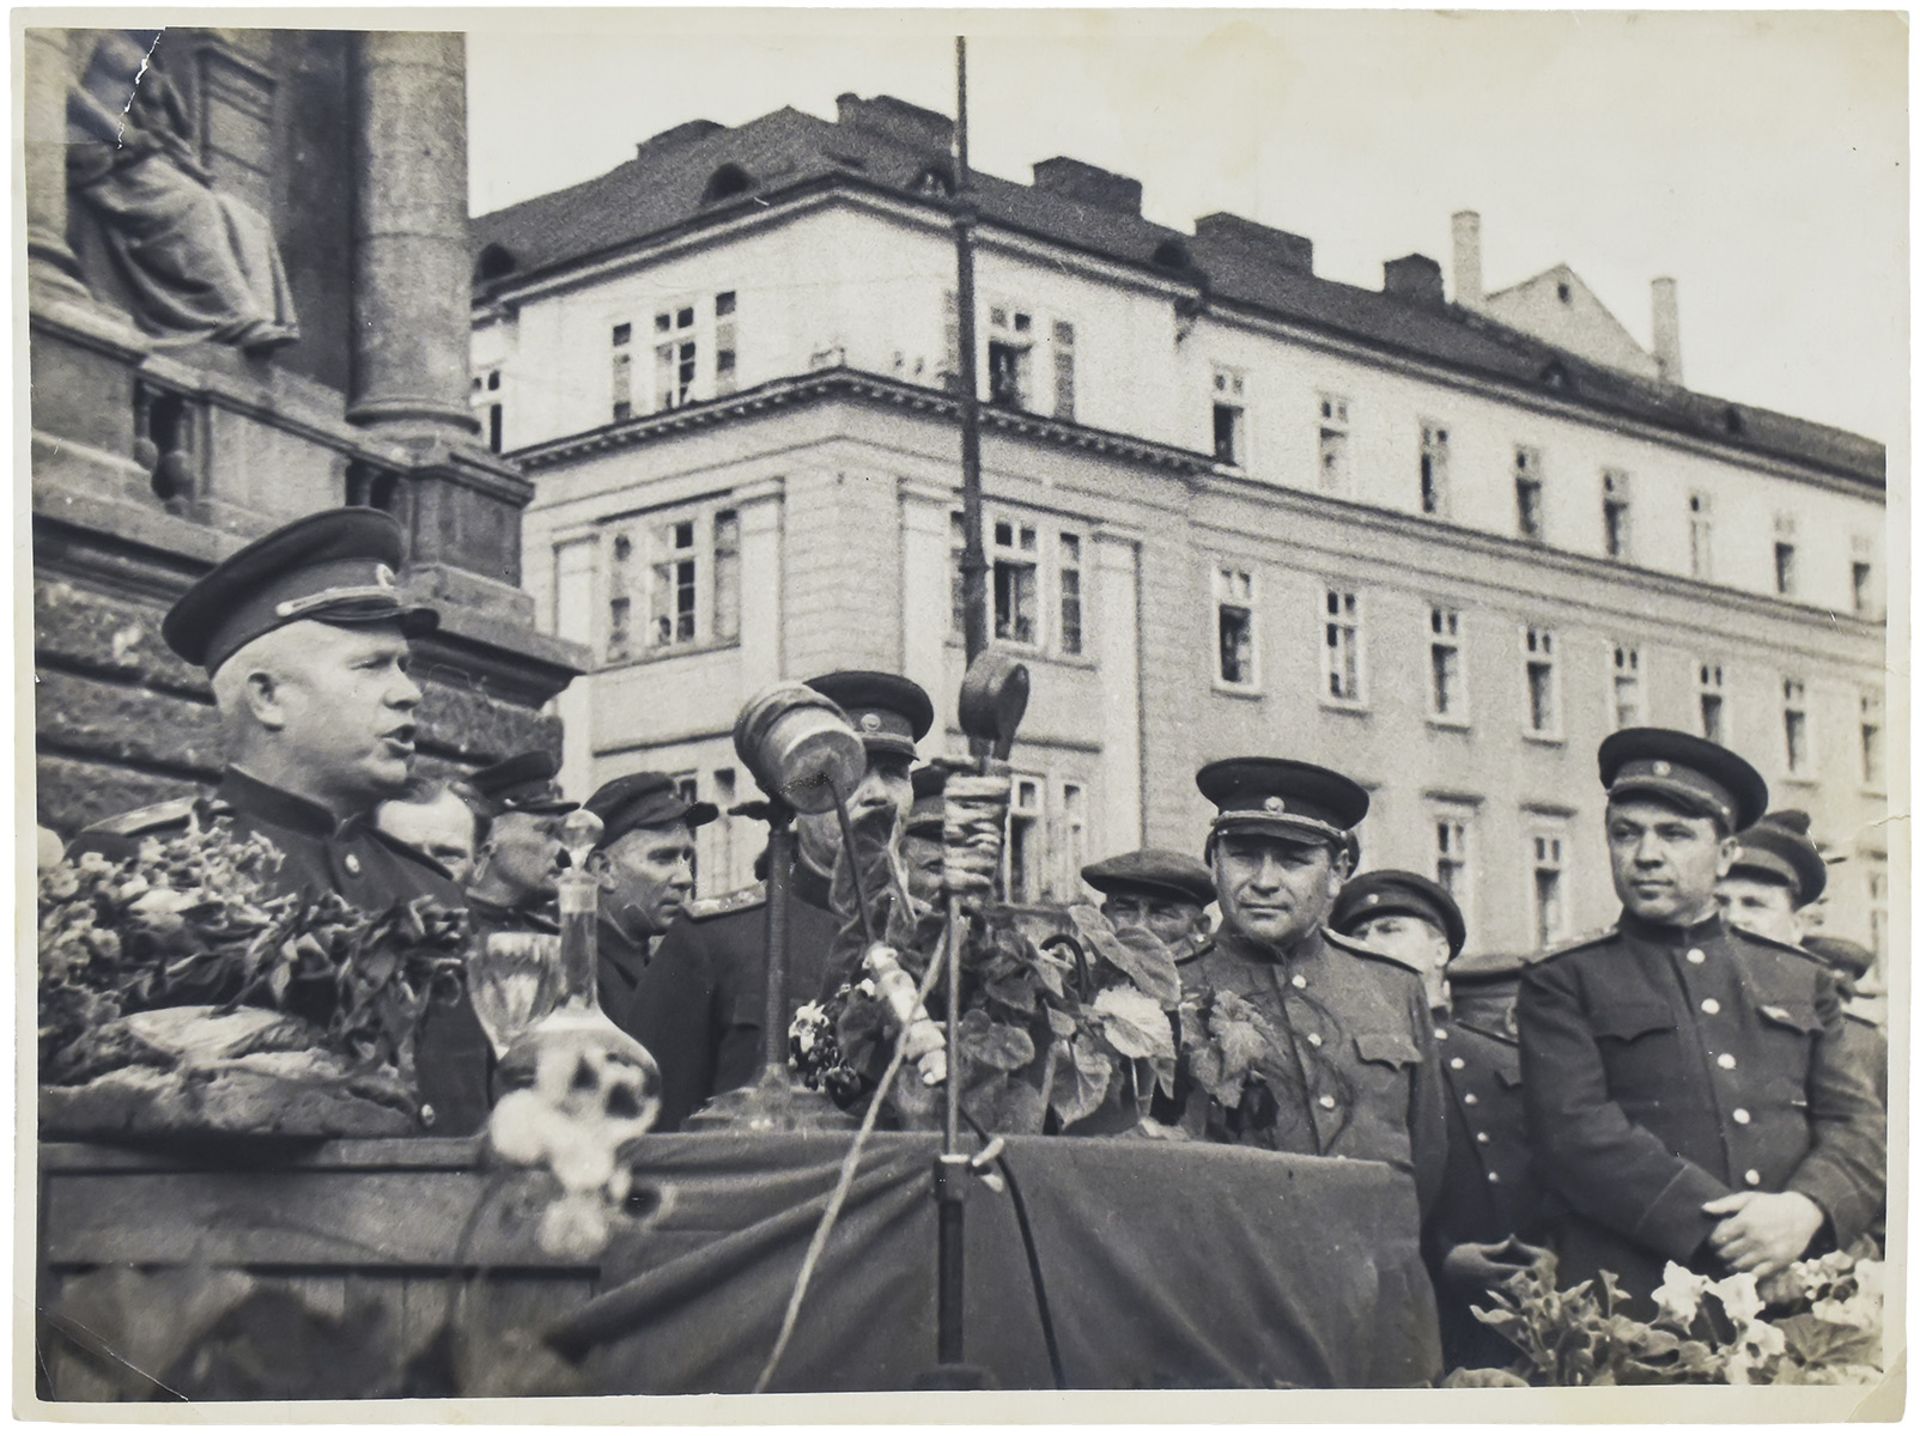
[(143, 822), (739, 900), (409, 851), (1585, 940), (1360, 949), (1775, 944)]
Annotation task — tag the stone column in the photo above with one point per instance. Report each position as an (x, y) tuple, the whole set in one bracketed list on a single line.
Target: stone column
[(52, 272), (411, 303)]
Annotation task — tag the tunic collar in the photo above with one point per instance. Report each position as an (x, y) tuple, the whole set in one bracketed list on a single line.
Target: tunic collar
[(1687, 935), (261, 800), (1233, 943)]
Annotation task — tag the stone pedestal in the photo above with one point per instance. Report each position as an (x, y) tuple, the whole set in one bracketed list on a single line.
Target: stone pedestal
[(53, 274)]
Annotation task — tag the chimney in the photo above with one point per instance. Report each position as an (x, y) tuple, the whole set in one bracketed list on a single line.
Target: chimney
[(1089, 184), (684, 133), (897, 120), (1468, 288), (1415, 277), (1666, 329), (1276, 246)]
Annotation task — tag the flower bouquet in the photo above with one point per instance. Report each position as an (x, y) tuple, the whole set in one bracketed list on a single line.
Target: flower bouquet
[(179, 993)]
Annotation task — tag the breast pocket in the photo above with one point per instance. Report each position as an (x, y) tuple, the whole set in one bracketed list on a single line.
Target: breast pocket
[(1384, 1073), (1636, 1041)]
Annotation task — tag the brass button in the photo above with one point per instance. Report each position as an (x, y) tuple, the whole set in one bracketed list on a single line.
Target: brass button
[(1299, 980), (1493, 1178), (1753, 1177), (427, 1114), (1327, 1102), (1742, 1116), (1482, 1138), (1457, 1063), (1695, 956), (1439, 1034), (1727, 1061), (1314, 1039), (1470, 1100), (1710, 1007), (352, 864)]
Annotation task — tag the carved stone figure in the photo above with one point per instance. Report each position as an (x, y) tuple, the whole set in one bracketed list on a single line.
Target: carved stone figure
[(196, 262)]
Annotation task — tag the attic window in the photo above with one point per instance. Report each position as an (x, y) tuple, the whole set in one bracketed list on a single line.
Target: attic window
[(729, 180), (1566, 292), (1735, 424), (1173, 255), (935, 180), (496, 262)]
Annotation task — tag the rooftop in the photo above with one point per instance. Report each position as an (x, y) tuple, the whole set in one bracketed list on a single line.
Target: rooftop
[(699, 173)]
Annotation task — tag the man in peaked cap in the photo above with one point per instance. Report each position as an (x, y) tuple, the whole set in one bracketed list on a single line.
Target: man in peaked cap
[(1777, 872), (648, 846), (1850, 962), (1347, 1064), (518, 807), (1687, 1091), (1165, 892), (700, 1004), (1407, 916), (304, 635)]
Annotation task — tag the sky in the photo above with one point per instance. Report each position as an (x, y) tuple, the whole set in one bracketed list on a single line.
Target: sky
[(1759, 159)]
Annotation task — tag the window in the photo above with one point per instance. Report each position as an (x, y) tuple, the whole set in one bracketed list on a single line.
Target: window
[(1529, 509), (1786, 579), (1794, 728), (1073, 839), (1700, 534), (1453, 856), (1333, 443), (1549, 888), (676, 361), (1616, 514), (1447, 685), (684, 333), (1342, 667), (1878, 927), (726, 575), (726, 378), (1543, 684), (1229, 416), (619, 603), (1009, 357), (1233, 605), (1873, 722), (1865, 600), (674, 587), (1021, 874), (1071, 631), (622, 384), (717, 837), (489, 407), (1063, 375), (622, 335), (1713, 702), (1629, 700), (1433, 470), (1015, 558)]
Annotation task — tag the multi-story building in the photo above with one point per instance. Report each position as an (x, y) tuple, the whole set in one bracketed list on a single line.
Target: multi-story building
[(1231, 507)]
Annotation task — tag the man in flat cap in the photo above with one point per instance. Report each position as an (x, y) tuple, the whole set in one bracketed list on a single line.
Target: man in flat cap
[(648, 846), (305, 637), (1777, 872), (1487, 1217), (518, 808), (1165, 892), (700, 1004), (1687, 1093)]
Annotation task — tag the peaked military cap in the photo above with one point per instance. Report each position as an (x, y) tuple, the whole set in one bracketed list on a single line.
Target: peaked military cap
[(336, 566), (1392, 890), (1286, 798), (523, 783), (890, 713), (928, 815), (1700, 776), (1158, 872), (645, 800), (1482, 971), (1774, 852), (1841, 952)]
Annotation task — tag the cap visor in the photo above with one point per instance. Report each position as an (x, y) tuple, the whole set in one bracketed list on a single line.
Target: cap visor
[(1688, 800), (541, 807), (1305, 831)]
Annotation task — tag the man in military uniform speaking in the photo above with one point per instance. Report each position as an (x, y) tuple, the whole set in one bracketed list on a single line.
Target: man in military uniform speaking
[(1687, 1097), (700, 1004), (305, 638)]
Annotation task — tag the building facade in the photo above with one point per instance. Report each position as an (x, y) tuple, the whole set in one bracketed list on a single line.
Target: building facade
[(1231, 507)]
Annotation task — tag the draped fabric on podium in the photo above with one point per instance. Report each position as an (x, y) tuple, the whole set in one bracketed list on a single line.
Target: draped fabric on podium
[(1166, 1265)]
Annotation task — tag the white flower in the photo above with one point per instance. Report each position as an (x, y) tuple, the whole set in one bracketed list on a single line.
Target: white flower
[(1740, 1295), (576, 1226), (1857, 1313), (1679, 1294), (519, 1127)]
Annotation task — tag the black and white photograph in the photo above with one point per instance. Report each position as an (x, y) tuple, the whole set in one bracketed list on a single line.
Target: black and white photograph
[(994, 707)]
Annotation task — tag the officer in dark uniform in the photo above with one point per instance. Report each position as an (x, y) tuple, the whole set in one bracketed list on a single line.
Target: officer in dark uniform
[(1483, 1227), (518, 806), (648, 846), (1686, 1092), (1777, 872), (1165, 892), (700, 1004), (304, 636)]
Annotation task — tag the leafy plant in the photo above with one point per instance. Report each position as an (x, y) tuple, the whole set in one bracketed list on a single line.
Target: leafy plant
[(1818, 1323)]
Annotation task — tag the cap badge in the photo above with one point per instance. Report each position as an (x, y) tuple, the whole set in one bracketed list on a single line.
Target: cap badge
[(870, 722), (1275, 805), (1662, 768)]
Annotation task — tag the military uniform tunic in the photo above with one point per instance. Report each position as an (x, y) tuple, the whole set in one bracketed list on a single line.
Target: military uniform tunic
[(1666, 1067), (700, 1005), (1356, 1077), (370, 870)]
